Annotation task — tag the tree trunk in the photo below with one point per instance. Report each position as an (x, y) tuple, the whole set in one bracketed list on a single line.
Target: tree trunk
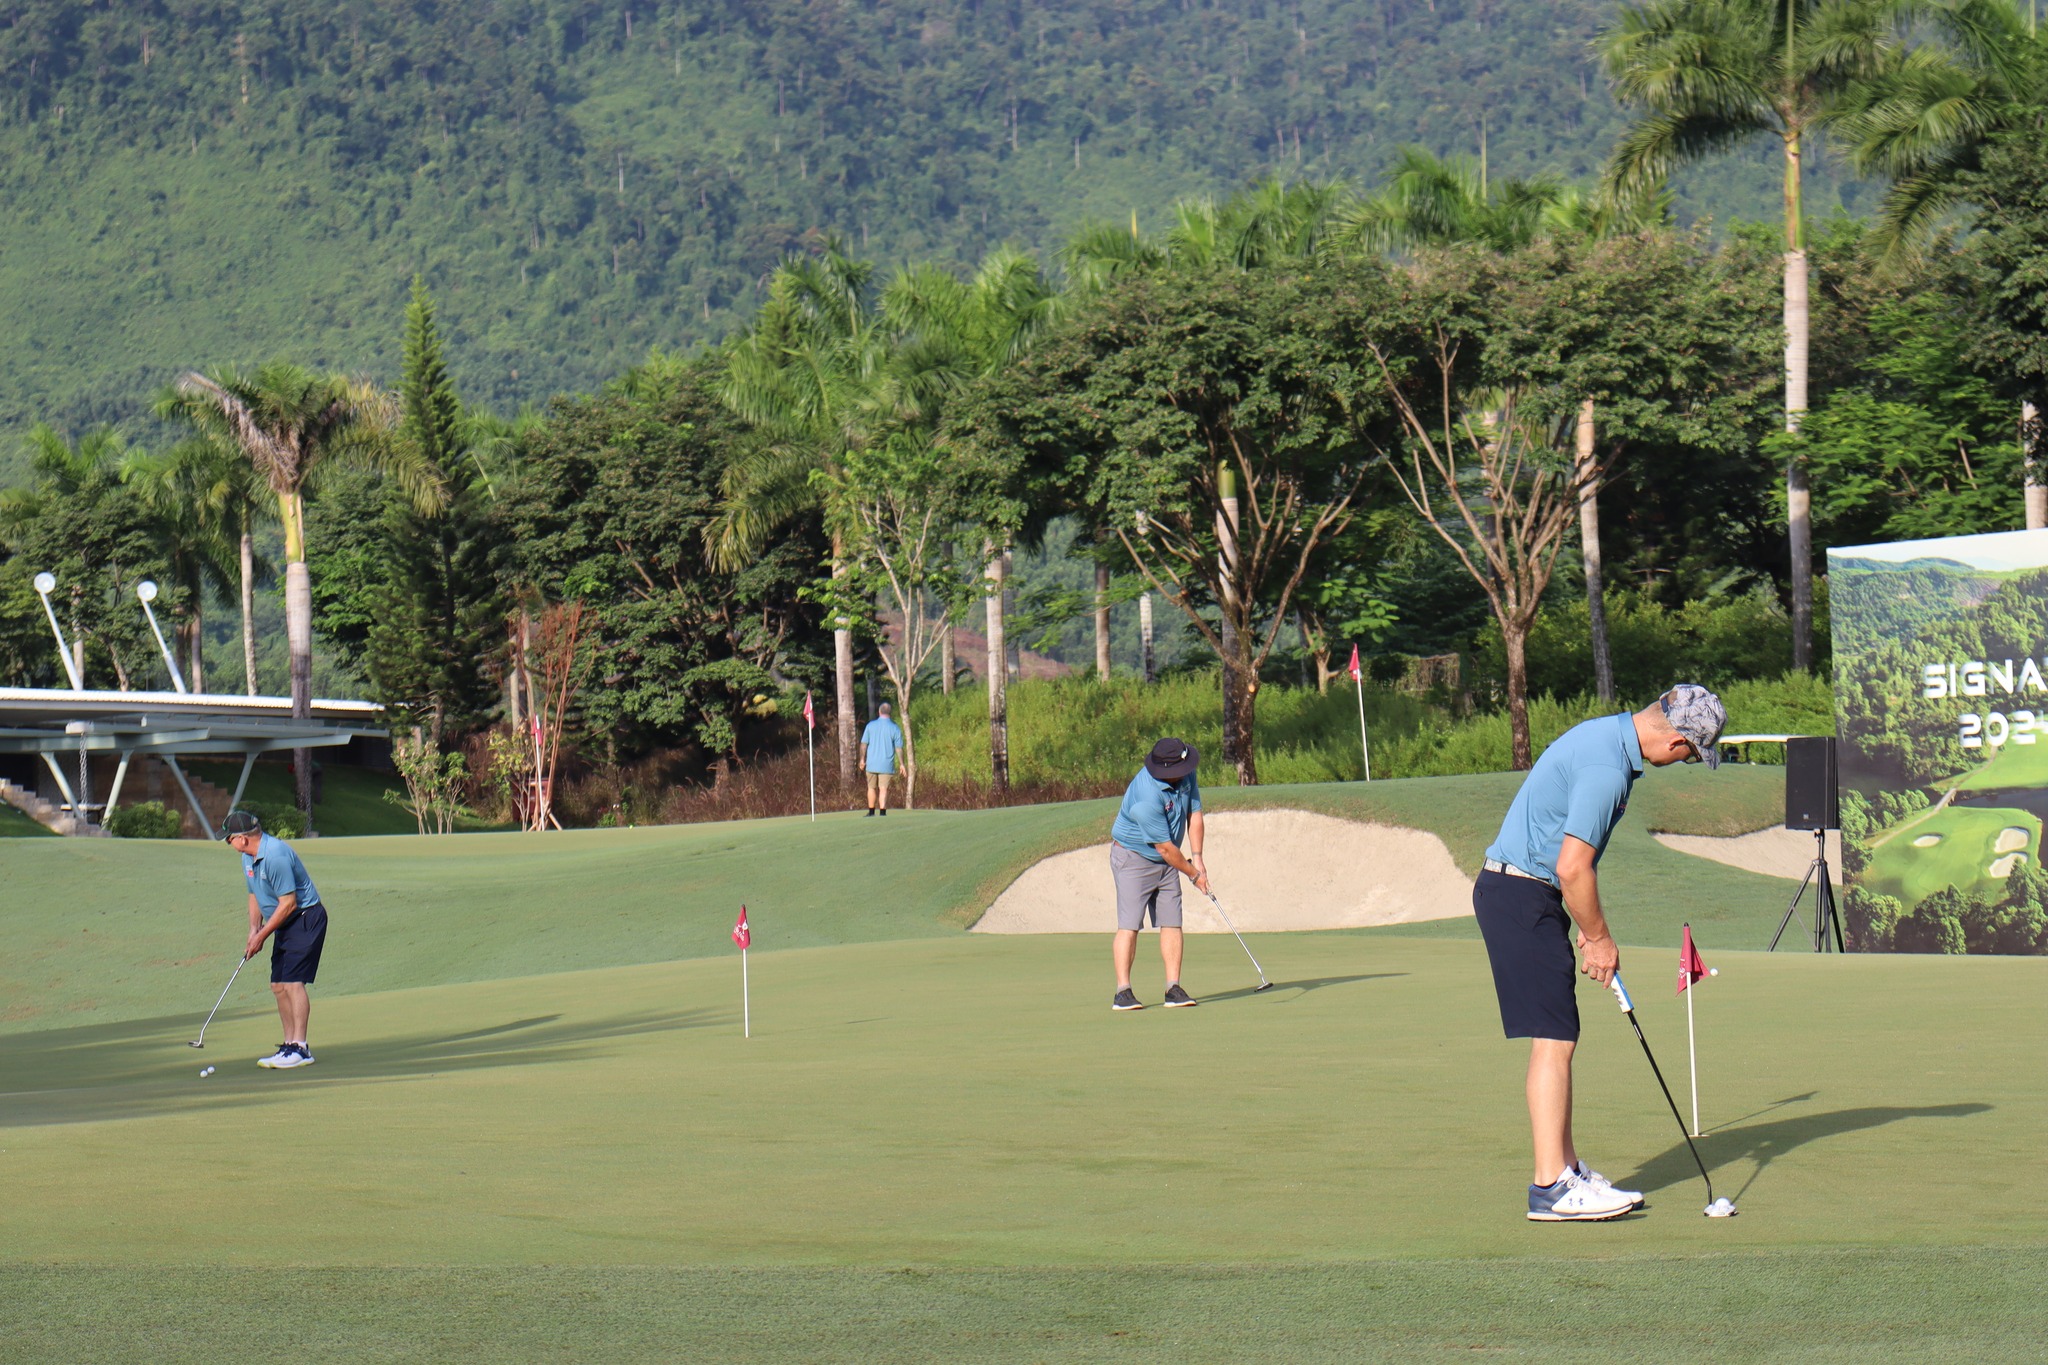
[(948, 664), (1102, 621), (195, 646), (1515, 635), (1589, 551), (2037, 489), (1226, 603), (909, 744), (1239, 716), (1145, 636), (1798, 502), (998, 680), (842, 673), (248, 606), (298, 622)]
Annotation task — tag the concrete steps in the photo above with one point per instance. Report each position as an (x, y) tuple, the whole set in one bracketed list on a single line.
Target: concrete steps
[(48, 814)]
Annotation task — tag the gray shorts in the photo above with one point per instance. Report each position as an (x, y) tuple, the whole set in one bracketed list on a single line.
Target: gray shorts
[(1144, 887)]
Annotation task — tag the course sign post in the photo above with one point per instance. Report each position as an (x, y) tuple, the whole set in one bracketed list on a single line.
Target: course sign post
[(1941, 710)]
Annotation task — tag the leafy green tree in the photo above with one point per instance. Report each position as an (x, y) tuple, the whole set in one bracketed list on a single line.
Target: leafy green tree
[(289, 422), (616, 501), (79, 522), (199, 500), (1710, 76), (2007, 257), (1935, 925), (1178, 392)]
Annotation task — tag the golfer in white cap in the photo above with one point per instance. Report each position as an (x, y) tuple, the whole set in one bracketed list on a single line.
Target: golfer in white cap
[(1162, 806), (1539, 880)]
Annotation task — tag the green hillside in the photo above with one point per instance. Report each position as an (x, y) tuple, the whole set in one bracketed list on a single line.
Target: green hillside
[(194, 184)]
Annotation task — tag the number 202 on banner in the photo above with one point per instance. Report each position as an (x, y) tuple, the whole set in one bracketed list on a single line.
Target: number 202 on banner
[(1995, 728)]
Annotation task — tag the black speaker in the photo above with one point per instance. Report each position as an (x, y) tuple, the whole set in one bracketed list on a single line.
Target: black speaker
[(1810, 799)]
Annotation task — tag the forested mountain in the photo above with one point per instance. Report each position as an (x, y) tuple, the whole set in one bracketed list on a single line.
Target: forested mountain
[(197, 182)]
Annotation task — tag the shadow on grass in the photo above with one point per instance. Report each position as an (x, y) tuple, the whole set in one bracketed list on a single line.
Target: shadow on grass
[(1300, 988), (1763, 1143), (141, 1067)]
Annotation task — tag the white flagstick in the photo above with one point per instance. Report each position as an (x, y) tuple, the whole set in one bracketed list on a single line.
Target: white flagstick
[(1363, 746), (1693, 1054), (746, 1006), (811, 748)]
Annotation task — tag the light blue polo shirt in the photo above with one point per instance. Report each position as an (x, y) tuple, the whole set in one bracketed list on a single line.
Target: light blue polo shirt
[(1579, 787), (1155, 812), (275, 870), (883, 738)]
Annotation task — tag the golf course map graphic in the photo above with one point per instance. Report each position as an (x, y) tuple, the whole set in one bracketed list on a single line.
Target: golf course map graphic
[(1941, 687)]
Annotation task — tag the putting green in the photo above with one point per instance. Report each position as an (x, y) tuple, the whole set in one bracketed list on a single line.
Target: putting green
[(2010, 765), (535, 1132), (969, 1103), (1972, 840)]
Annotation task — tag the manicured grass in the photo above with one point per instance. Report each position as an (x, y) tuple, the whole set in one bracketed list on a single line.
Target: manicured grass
[(15, 825), (535, 1131), (477, 906), (955, 1105), (2012, 765), (351, 798), (1968, 847)]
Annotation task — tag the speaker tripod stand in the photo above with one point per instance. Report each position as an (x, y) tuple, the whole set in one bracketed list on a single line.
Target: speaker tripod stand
[(1826, 918)]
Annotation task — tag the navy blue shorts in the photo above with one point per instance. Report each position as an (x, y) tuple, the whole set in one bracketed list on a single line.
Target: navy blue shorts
[(295, 949), (1528, 940)]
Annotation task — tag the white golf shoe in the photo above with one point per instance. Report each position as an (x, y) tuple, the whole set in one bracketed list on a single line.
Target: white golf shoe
[(292, 1054), (1574, 1200), (1601, 1182), (284, 1050)]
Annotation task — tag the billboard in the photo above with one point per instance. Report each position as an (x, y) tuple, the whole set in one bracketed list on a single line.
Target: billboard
[(1941, 708)]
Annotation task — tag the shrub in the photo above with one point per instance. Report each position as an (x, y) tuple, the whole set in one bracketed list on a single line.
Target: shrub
[(145, 820), (286, 822)]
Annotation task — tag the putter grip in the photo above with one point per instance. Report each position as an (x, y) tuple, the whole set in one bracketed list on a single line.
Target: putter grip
[(1621, 993)]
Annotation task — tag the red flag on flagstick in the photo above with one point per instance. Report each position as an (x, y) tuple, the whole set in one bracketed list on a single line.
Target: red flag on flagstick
[(1357, 673), (810, 716), (1690, 968), (740, 933)]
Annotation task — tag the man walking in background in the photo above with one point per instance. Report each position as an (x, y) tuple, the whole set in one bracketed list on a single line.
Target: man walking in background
[(878, 746), (1162, 806), (284, 907), (1540, 878)]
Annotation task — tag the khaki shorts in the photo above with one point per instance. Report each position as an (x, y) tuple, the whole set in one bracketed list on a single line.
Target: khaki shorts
[(878, 784), (1144, 888)]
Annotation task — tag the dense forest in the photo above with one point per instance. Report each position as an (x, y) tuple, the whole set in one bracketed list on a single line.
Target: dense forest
[(187, 183)]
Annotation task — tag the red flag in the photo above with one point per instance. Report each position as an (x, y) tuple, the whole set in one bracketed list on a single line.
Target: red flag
[(810, 716), (1690, 968), (1357, 674), (740, 933)]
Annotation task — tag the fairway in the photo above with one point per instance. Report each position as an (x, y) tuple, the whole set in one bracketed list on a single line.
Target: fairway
[(942, 1146)]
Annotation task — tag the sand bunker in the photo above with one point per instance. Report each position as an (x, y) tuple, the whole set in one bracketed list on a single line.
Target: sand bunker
[(1273, 869), (2002, 867), (1779, 852), (1927, 841), (2010, 838)]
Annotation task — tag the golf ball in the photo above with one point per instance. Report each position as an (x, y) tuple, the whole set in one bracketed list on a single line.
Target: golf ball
[(1713, 971), (206, 1071)]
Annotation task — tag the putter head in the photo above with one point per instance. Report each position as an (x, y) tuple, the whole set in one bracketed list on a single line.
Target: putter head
[(196, 1043), (1720, 1208), (1262, 986)]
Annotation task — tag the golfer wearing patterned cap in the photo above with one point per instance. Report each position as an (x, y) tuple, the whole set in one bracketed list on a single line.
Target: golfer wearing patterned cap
[(285, 908), (1540, 879), (1162, 806)]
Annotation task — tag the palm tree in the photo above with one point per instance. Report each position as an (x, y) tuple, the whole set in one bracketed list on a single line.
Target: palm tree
[(811, 373), (1711, 75), (954, 331), (1926, 124), (200, 497), (290, 422)]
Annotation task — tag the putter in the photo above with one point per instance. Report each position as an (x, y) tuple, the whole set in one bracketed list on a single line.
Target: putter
[(200, 1041), (1264, 985), (1716, 1208)]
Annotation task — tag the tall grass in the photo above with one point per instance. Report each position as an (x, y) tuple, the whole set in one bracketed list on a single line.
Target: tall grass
[(1090, 732)]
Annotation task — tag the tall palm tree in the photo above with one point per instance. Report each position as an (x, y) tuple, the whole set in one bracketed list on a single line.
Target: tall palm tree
[(199, 496), (811, 373), (290, 422), (1710, 76), (954, 331)]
